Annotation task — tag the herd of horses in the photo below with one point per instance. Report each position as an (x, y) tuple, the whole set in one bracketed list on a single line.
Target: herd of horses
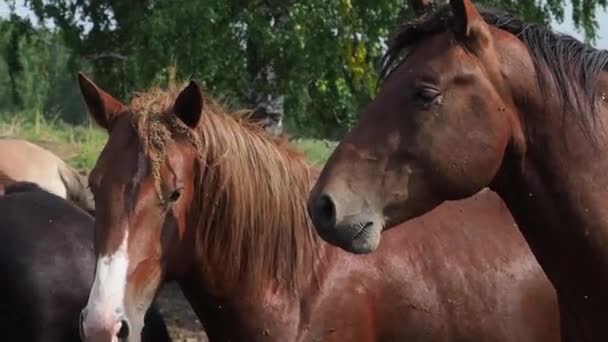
[(479, 163)]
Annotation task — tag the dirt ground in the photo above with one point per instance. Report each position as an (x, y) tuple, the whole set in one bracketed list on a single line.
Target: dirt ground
[(182, 322)]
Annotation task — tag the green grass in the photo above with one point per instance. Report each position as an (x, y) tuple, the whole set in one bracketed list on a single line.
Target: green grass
[(80, 145), (317, 151)]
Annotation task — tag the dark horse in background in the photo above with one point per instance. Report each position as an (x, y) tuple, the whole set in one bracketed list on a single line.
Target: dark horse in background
[(46, 266), (480, 99), (185, 191)]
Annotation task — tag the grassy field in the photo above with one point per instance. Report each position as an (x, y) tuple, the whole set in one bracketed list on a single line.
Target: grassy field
[(80, 145)]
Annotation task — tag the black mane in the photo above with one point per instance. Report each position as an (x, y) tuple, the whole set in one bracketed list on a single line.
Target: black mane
[(573, 65)]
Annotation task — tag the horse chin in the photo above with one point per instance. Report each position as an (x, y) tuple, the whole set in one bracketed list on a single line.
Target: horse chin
[(355, 238), (367, 242)]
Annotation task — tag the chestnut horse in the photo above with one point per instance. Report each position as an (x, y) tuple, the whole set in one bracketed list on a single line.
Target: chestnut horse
[(471, 99), (186, 192), (23, 161)]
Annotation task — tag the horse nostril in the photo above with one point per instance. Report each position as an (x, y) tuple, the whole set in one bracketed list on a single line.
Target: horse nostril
[(325, 212), (124, 330)]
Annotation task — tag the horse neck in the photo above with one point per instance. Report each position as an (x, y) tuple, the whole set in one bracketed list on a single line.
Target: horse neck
[(555, 186)]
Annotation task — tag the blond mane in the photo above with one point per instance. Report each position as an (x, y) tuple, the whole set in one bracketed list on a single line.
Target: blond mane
[(76, 187), (250, 195)]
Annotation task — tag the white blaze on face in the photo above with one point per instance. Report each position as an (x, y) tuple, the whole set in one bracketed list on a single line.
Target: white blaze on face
[(106, 299)]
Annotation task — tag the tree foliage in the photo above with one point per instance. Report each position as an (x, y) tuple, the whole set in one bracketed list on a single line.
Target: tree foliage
[(34, 74), (319, 55)]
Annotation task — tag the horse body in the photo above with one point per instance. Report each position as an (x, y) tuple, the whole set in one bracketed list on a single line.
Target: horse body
[(472, 99), (46, 272), (23, 161), (220, 207), (476, 283)]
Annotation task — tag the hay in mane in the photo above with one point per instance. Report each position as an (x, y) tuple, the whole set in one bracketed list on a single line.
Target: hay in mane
[(249, 198)]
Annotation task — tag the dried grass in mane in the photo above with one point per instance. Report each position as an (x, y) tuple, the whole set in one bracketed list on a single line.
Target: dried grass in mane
[(250, 195)]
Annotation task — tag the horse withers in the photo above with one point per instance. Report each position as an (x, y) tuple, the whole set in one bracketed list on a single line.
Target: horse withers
[(23, 161), (46, 266), (471, 99), (186, 191)]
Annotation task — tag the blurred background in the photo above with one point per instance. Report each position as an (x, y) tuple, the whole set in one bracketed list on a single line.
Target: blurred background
[(311, 63)]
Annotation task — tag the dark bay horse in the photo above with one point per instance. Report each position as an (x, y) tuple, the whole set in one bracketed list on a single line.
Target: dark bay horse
[(471, 99), (47, 265), (186, 192)]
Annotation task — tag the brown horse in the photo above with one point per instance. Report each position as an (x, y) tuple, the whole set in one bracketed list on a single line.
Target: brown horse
[(23, 161), (186, 192), (471, 99)]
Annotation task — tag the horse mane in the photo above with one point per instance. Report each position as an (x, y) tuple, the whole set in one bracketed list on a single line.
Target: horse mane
[(571, 65), (76, 186), (250, 194)]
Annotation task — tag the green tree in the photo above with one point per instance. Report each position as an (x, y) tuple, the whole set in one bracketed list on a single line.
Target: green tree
[(34, 71), (321, 55)]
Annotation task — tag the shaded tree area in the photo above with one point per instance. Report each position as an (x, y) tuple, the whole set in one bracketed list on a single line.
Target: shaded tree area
[(35, 74), (314, 59)]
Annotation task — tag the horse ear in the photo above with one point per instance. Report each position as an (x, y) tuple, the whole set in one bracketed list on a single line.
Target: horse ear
[(421, 7), (103, 107), (189, 104), (469, 24)]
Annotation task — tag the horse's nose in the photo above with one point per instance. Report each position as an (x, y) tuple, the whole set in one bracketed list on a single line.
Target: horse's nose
[(125, 328), (120, 328), (323, 212)]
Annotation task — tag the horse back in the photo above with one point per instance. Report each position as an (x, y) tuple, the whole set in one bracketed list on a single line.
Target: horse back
[(21, 160)]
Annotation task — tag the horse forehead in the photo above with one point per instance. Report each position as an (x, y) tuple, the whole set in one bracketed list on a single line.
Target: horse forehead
[(177, 155), (446, 54), (120, 161), (141, 167)]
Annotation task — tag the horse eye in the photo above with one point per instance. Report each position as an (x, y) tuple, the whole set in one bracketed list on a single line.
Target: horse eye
[(427, 95), (175, 195)]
